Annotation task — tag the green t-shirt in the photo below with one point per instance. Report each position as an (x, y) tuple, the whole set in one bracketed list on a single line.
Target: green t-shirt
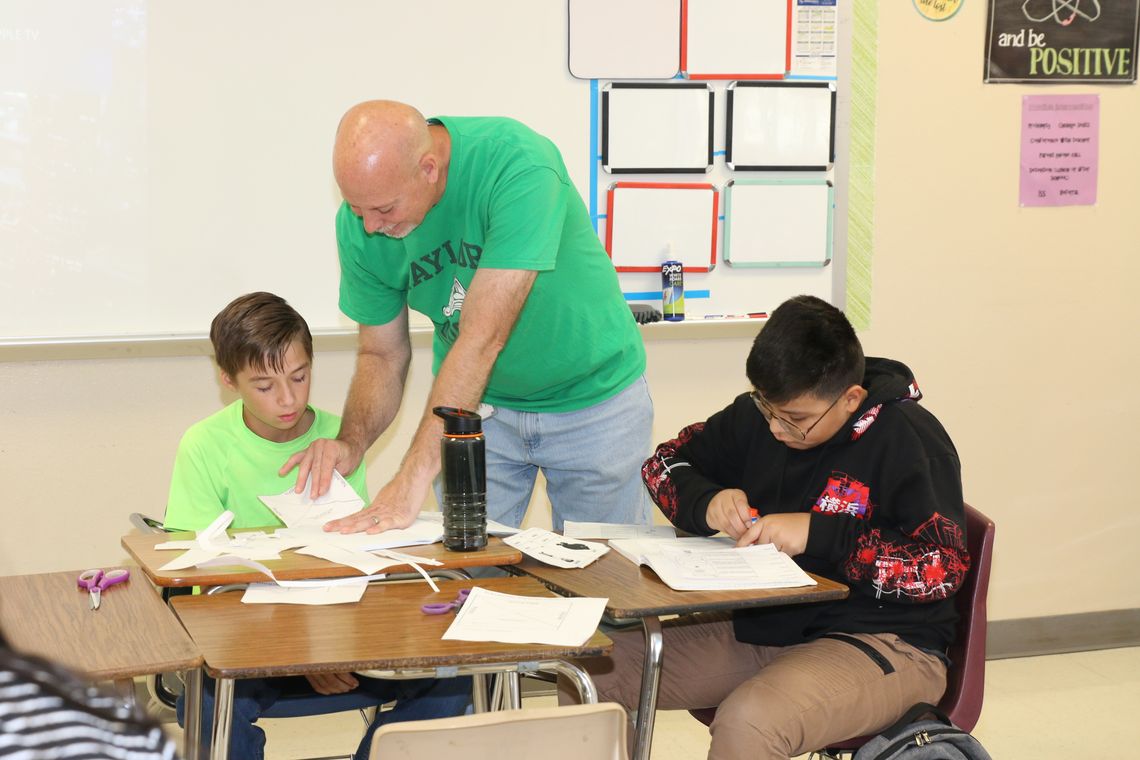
[(508, 204), (221, 464)]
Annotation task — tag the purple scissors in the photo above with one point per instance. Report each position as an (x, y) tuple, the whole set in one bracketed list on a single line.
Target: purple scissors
[(443, 608), (95, 581)]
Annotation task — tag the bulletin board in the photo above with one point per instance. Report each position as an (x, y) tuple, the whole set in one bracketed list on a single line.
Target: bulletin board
[(778, 157)]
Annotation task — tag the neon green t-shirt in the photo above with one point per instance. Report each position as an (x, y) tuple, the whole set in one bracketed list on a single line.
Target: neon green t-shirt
[(221, 464), (508, 204)]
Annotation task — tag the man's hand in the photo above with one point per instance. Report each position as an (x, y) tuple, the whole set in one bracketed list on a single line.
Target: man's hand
[(321, 458), (395, 506), (729, 511), (332, 683), (788, 531)]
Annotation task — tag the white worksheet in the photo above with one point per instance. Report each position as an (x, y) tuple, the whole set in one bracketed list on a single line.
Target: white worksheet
[(492, 616)]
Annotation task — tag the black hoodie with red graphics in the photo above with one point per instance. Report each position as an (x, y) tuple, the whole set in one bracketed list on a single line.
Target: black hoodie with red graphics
[(885, 497)]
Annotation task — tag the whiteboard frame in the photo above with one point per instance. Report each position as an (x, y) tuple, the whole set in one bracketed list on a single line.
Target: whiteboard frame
[(679, 186), (686, 45), (730, 98), (664, 117), (777, 264)]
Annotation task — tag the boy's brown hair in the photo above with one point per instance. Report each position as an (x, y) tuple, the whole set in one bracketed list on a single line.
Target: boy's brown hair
[(255, 330)]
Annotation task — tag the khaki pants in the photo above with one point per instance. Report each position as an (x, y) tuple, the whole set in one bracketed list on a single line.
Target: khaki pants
[(773, 702)]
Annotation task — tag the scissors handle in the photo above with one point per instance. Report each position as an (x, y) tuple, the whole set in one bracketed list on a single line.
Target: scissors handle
[(442, 608)]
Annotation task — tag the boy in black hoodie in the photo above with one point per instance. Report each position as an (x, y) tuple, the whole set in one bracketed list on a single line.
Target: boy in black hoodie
[(857, 482)]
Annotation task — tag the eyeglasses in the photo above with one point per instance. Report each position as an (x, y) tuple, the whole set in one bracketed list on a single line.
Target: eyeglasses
[(789, 427)]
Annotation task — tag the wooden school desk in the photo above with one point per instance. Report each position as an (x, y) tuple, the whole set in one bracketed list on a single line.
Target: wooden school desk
[(293, 566), (133, 633), (636, 592), (385, 633)]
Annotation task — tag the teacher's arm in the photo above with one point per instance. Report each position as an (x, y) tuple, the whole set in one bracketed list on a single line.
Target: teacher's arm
[(490, 310), (374, 397)]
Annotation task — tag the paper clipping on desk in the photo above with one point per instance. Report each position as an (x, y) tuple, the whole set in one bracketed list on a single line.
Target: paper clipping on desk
[(493, 616), (572, 529), (419, 533), (340, 593), (704, 564), (493, 528), (554, 549), (297, 510), (214, 540)]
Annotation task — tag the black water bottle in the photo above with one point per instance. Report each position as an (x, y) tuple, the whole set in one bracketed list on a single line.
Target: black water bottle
[(463, 471)]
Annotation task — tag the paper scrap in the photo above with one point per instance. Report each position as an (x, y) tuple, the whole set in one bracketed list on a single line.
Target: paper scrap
[(298, 510), (556, 550), (493, 616), (271, 593)]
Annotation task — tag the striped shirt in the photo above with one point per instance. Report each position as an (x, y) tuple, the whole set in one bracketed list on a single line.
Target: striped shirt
[(46, 712)]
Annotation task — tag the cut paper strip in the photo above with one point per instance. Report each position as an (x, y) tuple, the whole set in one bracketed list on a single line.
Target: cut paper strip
[(735, 39), (649, 223), (781, 126), (271, 593), (624, 39), (657, 128), (778, 223)]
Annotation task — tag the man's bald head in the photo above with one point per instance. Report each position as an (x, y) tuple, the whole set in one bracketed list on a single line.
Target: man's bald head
[(379, 140), (390, 165)]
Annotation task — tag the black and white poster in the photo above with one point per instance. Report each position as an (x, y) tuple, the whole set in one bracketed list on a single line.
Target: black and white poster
[(1061, 40)]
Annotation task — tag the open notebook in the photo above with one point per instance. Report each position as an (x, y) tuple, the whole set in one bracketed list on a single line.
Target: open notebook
[(712, 564)]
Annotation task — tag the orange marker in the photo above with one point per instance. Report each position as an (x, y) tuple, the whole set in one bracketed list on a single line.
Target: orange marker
[(754, 514)]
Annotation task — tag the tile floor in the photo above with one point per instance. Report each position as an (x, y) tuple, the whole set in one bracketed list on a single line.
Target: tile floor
[(1068, 706)]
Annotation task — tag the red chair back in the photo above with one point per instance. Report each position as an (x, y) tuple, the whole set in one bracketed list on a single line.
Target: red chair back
[(966, 678)]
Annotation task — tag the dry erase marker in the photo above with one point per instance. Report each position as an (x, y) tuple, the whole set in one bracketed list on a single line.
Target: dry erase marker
[(754, 514)]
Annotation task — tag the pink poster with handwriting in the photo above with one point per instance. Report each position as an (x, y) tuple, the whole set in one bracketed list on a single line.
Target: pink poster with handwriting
[(1059, 149)]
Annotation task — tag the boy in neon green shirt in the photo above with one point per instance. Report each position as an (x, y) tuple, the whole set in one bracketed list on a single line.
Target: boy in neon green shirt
[(264, 352)]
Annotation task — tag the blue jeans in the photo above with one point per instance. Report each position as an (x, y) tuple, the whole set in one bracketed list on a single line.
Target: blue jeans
[(591, 459), (419, 699)]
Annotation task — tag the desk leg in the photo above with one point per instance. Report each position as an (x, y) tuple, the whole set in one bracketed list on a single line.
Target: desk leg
[(587, 692), (192, 734), (512, 698), (479, 692), (650, 678), (223, 715)]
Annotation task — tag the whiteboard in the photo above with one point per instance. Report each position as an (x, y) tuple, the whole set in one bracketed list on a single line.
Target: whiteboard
[(657, 128), (778, 223), (163, 158), (780, 125), (624, 39), (650, 223), (736, 39)]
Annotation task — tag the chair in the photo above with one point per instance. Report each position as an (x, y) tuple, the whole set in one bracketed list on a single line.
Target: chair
[(570, 732), (965, 679), (167, 687)]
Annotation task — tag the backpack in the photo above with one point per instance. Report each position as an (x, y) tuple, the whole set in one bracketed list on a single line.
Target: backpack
[(913, 739)]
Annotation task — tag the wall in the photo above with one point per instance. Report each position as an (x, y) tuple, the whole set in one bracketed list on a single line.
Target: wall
[(1020, 325)]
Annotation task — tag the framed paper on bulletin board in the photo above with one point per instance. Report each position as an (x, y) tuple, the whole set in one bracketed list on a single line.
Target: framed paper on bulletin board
[(653, 222), (736, 39), (657, 128), (774, 223), (780, 126)]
